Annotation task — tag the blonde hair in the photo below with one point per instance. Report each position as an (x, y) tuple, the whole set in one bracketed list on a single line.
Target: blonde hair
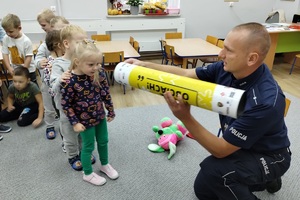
[(83, 51), (11, 20), (68, 31), (46, 15), (57, 19)]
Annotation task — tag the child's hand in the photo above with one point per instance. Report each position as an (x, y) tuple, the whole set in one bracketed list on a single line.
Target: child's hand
[(36, 122), (109, 119), (65, 76), (43, 63), (10, 108), (11, 71), (79, 127)]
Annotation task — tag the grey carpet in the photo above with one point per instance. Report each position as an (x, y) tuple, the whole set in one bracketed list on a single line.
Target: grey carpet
[(33, 167)]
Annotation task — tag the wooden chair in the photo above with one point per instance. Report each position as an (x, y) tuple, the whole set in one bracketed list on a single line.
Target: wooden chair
[(5, 76), (136, 46), (104, 37), (35, 48), (109, 63), (164, 59), (174, 35), (213, 40), (171, 56), (220, 44), (131, 40), (287, 106), (293, 65)]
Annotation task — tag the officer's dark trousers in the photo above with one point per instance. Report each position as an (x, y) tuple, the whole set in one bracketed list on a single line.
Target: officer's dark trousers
[(229, 178)]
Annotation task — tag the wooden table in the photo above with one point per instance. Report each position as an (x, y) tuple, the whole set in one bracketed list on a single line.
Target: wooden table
[(193, 48), (113, 46), (283, 41)]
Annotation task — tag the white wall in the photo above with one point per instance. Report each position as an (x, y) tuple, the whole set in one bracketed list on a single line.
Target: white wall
[(217, 18), (203, 17)]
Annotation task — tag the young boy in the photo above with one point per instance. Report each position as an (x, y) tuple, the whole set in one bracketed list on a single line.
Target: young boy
[(24, 101), (17, 47), (70, 35)]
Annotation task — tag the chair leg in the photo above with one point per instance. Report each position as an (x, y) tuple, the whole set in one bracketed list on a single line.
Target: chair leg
[(124, 88), (112, 78), (107, 78), (293, 65), (194, 63)]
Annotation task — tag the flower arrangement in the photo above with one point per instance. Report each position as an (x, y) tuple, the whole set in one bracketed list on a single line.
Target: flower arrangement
[(135, 2)]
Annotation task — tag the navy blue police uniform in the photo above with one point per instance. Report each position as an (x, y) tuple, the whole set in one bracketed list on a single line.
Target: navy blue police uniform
[(260, 132)]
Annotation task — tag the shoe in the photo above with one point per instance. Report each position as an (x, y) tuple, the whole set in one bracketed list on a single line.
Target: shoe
[(4, 129), (50, 133), (93, 159), (94, 179), (109, 171), (274, 186), (1, 137), (75, 163), (63, 147)]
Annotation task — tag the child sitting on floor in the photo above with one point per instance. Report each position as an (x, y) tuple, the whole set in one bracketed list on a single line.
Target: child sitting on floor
[(24, 101)]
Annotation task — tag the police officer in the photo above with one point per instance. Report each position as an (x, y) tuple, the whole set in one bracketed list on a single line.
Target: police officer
[(253, 152)]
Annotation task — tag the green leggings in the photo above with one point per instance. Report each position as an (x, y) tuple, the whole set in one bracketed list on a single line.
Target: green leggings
[(88, 145)]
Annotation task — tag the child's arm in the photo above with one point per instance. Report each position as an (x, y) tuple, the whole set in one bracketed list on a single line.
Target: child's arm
[(106, 97), (55, 76), (43, 53), (39, 119), (10, 102), (6, 64), (5, 55)]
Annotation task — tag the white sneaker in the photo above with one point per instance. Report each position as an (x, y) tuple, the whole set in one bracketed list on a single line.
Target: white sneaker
[(109, 171), (94, 179)]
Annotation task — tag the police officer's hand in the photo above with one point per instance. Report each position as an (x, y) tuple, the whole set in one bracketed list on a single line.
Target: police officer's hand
[(179, 108)]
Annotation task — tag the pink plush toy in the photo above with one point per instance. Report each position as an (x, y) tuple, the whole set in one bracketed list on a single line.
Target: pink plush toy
[(168, 136)]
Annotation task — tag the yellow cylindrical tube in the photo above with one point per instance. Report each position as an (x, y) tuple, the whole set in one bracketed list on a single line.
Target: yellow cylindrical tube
[(218, 98)]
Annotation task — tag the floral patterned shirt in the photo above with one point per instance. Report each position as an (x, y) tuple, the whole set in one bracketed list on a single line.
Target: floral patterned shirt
[(82, 100), (47, 74)]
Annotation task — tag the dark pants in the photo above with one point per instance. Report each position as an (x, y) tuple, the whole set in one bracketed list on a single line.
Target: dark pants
[(32, 76), (25, 115), (229, 178)]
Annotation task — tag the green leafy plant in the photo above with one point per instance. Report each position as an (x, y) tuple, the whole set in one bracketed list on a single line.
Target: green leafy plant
[(135, 2)]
